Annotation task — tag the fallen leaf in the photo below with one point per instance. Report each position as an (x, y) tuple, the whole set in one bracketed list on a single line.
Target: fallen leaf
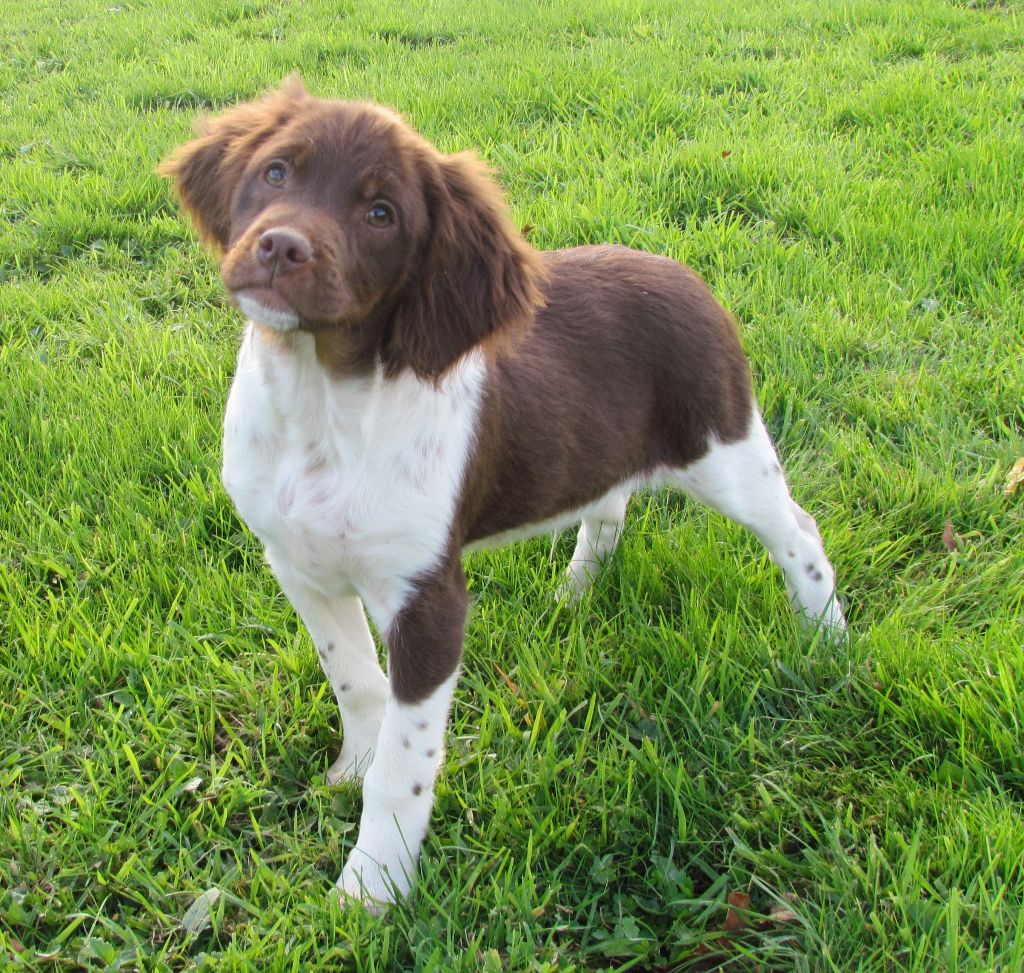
[(726, 153), (949, 539), (1014, 478), (735, 920), (198, 917), (508, 682)]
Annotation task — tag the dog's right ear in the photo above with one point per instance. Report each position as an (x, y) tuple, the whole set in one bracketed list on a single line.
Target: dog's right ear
[(206, 170)]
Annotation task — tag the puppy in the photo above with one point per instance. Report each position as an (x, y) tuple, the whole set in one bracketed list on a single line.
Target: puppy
[(414, 381)]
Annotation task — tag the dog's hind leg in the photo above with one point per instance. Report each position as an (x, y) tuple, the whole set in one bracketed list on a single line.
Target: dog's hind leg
[(348, 658), (598, 535), (744, 481)]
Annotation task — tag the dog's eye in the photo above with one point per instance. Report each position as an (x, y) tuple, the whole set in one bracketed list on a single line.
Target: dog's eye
[(275, 174), (380, 214)]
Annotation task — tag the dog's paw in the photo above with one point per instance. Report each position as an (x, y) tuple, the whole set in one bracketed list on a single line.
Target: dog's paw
[(830, 622), (569, 593), (577, 581), (833, 622), (350, 766), (372, 883), (354, 898)]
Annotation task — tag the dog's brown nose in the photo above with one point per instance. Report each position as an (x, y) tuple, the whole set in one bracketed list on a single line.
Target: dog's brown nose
[(285, 250)]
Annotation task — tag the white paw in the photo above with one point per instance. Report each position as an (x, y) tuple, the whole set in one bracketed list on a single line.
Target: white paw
[(830, 621), (373, 883), (577, 582), (834, 622), (350, 765), (569, 593)]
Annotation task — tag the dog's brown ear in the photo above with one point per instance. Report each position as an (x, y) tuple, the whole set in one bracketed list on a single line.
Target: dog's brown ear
[(477, 279), (205, 170)]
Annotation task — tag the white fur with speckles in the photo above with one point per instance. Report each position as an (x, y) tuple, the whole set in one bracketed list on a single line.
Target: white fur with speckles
[(351, 484), (398, 795), (744, 481)]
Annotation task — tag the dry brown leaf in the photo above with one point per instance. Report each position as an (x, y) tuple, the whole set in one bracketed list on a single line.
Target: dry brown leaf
[(949, 538), (1014, 478), (508, 682), (779, 913), (735, 918)]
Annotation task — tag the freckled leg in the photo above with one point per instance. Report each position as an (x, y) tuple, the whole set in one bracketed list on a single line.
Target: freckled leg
[(349, 660), (424, 647), (744, 481), (599, 533)]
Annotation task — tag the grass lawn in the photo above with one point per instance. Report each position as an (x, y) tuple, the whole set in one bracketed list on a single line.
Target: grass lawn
[(848, 179)]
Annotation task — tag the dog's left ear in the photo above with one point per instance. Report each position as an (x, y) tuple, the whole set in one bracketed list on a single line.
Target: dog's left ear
[(206, 170), (477, 280)]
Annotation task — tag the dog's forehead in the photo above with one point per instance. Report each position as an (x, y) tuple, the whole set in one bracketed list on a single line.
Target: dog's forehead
[(348, 137)]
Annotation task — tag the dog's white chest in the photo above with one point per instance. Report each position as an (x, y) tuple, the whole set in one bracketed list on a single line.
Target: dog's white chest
[(351, 484)]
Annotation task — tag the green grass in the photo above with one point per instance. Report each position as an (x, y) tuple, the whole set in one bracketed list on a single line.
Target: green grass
[(848, 178)]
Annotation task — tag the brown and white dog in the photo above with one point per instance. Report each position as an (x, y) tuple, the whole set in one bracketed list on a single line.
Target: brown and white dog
[(415, 380)]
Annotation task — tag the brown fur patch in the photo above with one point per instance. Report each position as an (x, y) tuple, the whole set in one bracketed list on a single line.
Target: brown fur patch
[(425, 638), (630, 366), (477, 280)]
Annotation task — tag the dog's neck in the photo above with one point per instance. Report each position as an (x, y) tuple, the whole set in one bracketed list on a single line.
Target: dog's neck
[(313, 401), (345, 349), (308, 397)]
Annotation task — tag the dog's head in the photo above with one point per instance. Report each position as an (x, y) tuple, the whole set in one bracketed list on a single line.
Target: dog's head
[(336, 216)]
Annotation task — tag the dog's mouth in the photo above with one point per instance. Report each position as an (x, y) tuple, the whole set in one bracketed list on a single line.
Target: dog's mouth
[(265, 306), (288, 300)]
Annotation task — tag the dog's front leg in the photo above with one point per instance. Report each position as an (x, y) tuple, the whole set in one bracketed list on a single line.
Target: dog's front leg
[(348, 658), (424, 647)]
